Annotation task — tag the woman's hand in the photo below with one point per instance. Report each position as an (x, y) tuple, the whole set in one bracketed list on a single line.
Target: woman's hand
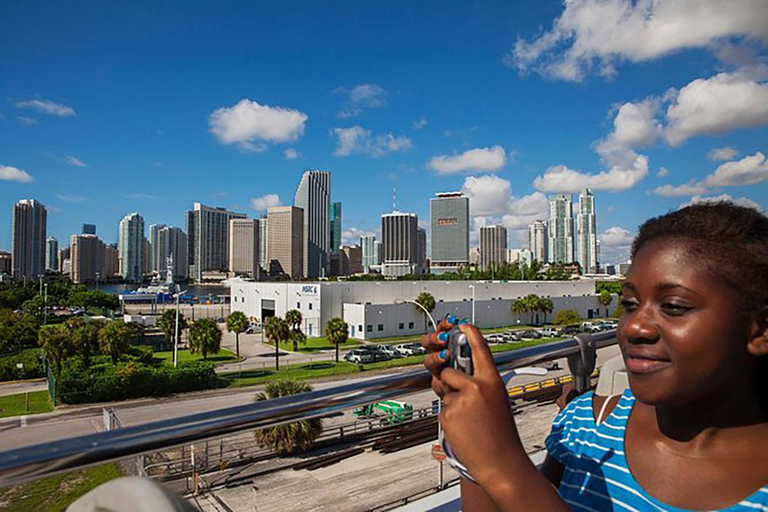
[(436, 345)]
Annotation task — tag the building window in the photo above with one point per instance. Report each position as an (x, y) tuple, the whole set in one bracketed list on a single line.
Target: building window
[(298, 305), (368, 328), (380, 327), (410, 325), (401, 326), (310, 306)]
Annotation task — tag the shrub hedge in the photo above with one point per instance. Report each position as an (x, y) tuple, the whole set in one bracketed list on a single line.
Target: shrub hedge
[(32, 366)]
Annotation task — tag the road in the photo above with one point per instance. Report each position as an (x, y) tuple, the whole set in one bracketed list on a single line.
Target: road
[(23, 386)]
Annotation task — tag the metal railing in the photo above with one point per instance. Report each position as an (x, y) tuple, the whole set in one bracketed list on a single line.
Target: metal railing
[(47, 459)]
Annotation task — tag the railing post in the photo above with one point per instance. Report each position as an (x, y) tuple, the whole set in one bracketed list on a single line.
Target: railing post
[(582, 364)]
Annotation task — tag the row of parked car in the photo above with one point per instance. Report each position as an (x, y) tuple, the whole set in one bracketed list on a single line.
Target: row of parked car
[(374, 353), (550, 332)]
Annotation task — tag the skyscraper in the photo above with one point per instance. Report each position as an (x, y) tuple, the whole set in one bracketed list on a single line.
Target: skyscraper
[(131, 247), (208, 236), (493, 246), (335, 227), (88, 229), (313, 196), (29, 228), (560, 229), (369, 252), (400, 244), (5, 263), (51, 254), (586, 232), (87, 259), (263, 256), (286, 235), (172, 242), (538, 240), (244, 247), (449, 223), (155, 248)]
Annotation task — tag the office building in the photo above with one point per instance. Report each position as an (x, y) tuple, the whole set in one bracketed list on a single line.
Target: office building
[(370, 252), (400, 244), (87, 259), (244, 247), (421, 250), (155, 247), (474, 256), (586, 232), (352, 261), (171, 248), (263, 237), (5, 263), (208, 238), (88, 229), (131, 247), (51, 254), (64, 254), (335, 227), (493, 247), (313, 196), (538, 240), (560, 229), (111, 260), (285, 229), (449, 229), (29, 229)]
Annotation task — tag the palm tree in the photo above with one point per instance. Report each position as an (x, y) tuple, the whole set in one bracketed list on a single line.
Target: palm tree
[(115, 339), (546, 306), (427, 301), (287, 438), (84, 337), (56, 344), (237, 323), (204, 337), (605, 298), (167, 323), (533, 304), (293, 318), (337, 332), (276, 329), (520, 306)]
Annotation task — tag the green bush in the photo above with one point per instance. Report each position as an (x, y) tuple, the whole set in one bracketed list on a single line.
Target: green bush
[(32, 365), (567, 317)]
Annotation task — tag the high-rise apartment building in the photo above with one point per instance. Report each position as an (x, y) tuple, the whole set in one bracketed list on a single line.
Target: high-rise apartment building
[(285, 230), (421, 250), (370, 252), (208, 238), (88, 229), (87, 259), (131, 247), (538, 241), (6, 259), (244, 247), (155, 247), (170, 244), (335, 227), (400, 243), (351, 260), (313, 196), (449, 223), (586, 232), (64, 255), (263, 237), (29, 229), (493, 246), (51, 254), (111, 260), (560, 229)]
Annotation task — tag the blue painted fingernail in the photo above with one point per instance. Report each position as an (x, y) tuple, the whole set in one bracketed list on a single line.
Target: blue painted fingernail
[(443, 354), (451, 319), (463, 321), (443, 336)]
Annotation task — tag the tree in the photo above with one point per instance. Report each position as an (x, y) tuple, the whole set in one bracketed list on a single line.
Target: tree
[(17, 331), (167, 324), (428, 302), (532, 300), (84, 337), (237, 322), (276, 329), (56, 344), (337, 332), (115, 339), (293, 318), (567, 317), (605, 298), (546, 306), (287, 438), (204, 337), (520, 306)]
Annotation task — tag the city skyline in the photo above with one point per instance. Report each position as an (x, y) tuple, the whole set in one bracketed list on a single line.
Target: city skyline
[(494, 100)]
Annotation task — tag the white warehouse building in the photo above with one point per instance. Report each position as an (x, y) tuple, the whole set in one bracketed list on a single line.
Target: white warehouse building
[(373, 309)]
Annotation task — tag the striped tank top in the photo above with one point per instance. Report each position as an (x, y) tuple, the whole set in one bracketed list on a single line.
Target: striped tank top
[(597, 475)]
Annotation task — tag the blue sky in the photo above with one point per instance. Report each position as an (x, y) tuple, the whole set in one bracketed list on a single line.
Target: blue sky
[(110, 108)]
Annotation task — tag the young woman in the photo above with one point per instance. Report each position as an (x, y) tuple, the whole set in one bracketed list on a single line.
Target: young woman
[(691, 433)]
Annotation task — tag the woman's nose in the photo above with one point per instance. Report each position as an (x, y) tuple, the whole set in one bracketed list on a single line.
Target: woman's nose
[(640, 326)]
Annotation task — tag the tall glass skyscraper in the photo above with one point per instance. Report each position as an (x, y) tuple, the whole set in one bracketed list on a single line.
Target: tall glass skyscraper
[(537, 241), (449, 223), (313, 196), (586, 234), (371, 254), (29, 228), (51, 254), (131, 247), (208, 238), (560, 227), (335, 227)]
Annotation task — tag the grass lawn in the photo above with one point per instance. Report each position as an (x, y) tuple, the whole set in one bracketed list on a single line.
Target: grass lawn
[(506, 347), (316, 344), (15, 405), (56, 493), (224, 356), (304, 371)]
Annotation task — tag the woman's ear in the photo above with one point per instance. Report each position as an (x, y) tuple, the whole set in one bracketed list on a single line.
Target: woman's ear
[(758, 341)]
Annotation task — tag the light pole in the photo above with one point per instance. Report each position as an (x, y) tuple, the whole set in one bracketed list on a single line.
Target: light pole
[(45, 304), (432, 320), (176, 337), (473, 303)]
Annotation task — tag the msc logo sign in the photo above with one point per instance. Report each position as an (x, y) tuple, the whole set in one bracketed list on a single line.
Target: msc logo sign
[(309, 289)]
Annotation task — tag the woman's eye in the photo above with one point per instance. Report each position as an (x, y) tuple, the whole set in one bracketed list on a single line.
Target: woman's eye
[(675, 309), (628, 304)]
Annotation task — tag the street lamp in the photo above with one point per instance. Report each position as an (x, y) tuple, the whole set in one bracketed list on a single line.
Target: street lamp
[(473, 303), (176, 338), (432, 320)]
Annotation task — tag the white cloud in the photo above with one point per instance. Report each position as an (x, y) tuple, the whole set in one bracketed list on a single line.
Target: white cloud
[(291, 154), (598, 34), (361, 97), (26, 121), (562, 179), (142, 197), (723, 154), (688, 189), (47, 107), (71, 160), (741, 201), (351, 236), (490, 159), (421, 123), (359, 140), (663, 171), (635, 126), (8, 173), (263, 203), (488, 195), (722, 103), (747, 171), (616, 237), (71, 198), (252, 126)]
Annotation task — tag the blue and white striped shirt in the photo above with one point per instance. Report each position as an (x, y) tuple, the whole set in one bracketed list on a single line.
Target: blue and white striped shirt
[(597, 475)]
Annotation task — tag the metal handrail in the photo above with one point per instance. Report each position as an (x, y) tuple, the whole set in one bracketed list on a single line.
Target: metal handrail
[(47, 459)]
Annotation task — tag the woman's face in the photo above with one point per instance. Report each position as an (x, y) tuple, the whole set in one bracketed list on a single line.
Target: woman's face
[(682, 334)]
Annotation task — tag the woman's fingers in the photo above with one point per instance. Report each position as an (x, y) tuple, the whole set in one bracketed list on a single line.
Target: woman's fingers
[(436, 341), (435, 362), (482, 359), (455, 379)]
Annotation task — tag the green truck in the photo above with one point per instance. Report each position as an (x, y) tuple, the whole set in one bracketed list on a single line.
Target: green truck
[(391, 412)]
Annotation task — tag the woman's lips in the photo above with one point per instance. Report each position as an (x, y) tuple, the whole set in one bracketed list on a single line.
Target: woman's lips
[(643, 365)]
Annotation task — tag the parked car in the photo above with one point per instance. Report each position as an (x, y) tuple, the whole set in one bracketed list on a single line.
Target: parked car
[(417, 349), (570, 330), (590, 327), (358, 356), (548, 332), (607, 325), (495, 338), (377, 353), (253, 329), (548, 365), (389, 350), (511, 336), (530, 335), (406, 349)]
